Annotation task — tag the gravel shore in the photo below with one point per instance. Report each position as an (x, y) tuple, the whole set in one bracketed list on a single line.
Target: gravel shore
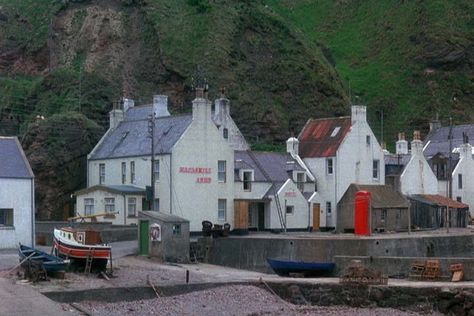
[(228, 300)]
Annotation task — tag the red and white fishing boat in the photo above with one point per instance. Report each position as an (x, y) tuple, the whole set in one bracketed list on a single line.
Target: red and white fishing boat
[(82, 246)]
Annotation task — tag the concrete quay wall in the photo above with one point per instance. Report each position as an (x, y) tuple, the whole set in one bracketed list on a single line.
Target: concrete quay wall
[(251, 252)]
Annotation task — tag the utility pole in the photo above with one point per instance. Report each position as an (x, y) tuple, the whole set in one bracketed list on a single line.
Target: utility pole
[(450, 176), (151, 131)]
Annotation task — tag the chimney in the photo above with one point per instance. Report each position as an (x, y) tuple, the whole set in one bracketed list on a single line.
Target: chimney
[(359, 113), (401, 145), (465, 151), (221, 109), (292, 145), (416, 144), (202, 107), (127, 104), (115, 117), (160, 105)]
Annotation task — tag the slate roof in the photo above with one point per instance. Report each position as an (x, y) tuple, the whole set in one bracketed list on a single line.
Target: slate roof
[(267, 166), (437, 141), (163, 217), (130, 138), (383, 196), (394, 159), (319, 139), (118, 189), (438, 200), (13, 162)]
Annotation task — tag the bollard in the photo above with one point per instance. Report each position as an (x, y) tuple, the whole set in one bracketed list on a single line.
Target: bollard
[(187, 276)]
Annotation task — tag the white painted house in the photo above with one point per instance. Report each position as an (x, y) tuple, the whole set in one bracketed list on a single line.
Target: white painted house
[(194, 161), (17, 196), (463, 177), (417, 176), (338, 152)]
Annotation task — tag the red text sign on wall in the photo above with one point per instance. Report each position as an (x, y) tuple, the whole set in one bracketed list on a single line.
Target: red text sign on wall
[(290, 194), (197, 170)]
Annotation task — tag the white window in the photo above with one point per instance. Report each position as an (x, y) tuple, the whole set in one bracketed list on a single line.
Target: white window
[(88, 206), (290, 209), (109, 205), (221, 209), (177, 229), (328, 208), (157, 205), (132, 206), (124, 172), (101, 173), (156, 170), (329, 165), (132, 172), (459, 181), (300, 180), (367, 140), (375, 169), (6, 217), (247, 177), (225, 133), (221, 171)]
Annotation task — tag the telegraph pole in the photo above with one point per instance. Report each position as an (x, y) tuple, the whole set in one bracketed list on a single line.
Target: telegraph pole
[(151, 131)]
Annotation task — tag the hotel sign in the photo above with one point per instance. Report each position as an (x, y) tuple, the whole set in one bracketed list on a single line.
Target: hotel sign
[(199, 171)]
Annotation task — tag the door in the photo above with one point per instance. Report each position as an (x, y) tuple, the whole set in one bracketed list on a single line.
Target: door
[(316, 214), (261, 216), (144, 226)]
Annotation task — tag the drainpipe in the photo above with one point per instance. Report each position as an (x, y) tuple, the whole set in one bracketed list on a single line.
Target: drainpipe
[(33, 237), (124, 210), (171, 185), (335, 191)]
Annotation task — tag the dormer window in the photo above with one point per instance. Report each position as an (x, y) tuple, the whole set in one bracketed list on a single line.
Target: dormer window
[(247, 178), (335, 131), (300, 180)]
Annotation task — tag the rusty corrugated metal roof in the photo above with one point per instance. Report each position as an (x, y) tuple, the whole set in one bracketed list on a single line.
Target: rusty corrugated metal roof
[(319, 137), (442, 201)]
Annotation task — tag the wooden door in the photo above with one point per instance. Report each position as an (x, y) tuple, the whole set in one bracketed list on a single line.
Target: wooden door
[(241, 215), (316, 215)]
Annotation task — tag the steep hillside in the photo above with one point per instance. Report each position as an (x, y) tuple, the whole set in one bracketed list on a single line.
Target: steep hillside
[(66, 61), (409, 59)]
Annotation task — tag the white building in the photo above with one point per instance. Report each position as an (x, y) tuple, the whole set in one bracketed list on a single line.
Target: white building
[(194, 162), (272, 190), (17, 196), (417, 176), (463, 177), (338, 152)]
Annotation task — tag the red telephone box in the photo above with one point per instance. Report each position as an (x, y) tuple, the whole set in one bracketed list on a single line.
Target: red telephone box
[(361, 213)]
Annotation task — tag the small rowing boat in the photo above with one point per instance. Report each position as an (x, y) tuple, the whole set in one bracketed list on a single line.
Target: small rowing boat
[(50, 263), (285, 267)]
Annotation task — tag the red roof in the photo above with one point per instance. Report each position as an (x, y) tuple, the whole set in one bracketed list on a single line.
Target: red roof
[(322, 137), (443, 201)]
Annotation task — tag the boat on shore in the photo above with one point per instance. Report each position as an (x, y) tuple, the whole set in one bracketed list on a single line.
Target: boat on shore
[(287, 267), (49, 262), (82, 247)]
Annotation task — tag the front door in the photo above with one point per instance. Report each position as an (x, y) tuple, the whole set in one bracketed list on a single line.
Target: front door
[(261, 216), (316, 214), (144, 239)]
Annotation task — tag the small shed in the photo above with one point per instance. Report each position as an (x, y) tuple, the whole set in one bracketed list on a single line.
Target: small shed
[(389, 208), (164, 236), (429, 211)]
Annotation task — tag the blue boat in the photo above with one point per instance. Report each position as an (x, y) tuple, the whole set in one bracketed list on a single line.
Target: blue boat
[(285, 267), (50, 263)]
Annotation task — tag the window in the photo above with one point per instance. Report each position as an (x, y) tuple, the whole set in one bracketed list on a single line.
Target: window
[(132, 206), (459, 199), (156, 170), (375, 169), (221, 209), (329, 166), (300, 180), (247, 180), (225, 133), (124, 172), (367, 140), (328, 208), (101, 173), (88, 206), (132, 172), (156, 206), (460, 181), (315, 186), (290, 209), (383, 215), (6, 217), (335, 131), (221, 171), (177, 229), (109, 205)]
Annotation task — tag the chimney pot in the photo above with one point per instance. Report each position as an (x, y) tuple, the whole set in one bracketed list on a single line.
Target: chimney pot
[(160, 105), (416, 135)]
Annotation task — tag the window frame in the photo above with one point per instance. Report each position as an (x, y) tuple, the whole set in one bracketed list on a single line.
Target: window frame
[(225, 133), (460, 181), (367, 140), (329, 166), (221, 210), (156, 205), (328, 208), (300, 182), (8, 221), (247, 182), (124, 172), (101, 173), (132, 172), (176, 229), (156, 170), (220, 172), (376, 169), (89, 208), (107, 205), (129, 203), (290, 208)]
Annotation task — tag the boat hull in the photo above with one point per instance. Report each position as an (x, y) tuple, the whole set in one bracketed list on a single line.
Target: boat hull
[(50, 263), (285, 268)]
